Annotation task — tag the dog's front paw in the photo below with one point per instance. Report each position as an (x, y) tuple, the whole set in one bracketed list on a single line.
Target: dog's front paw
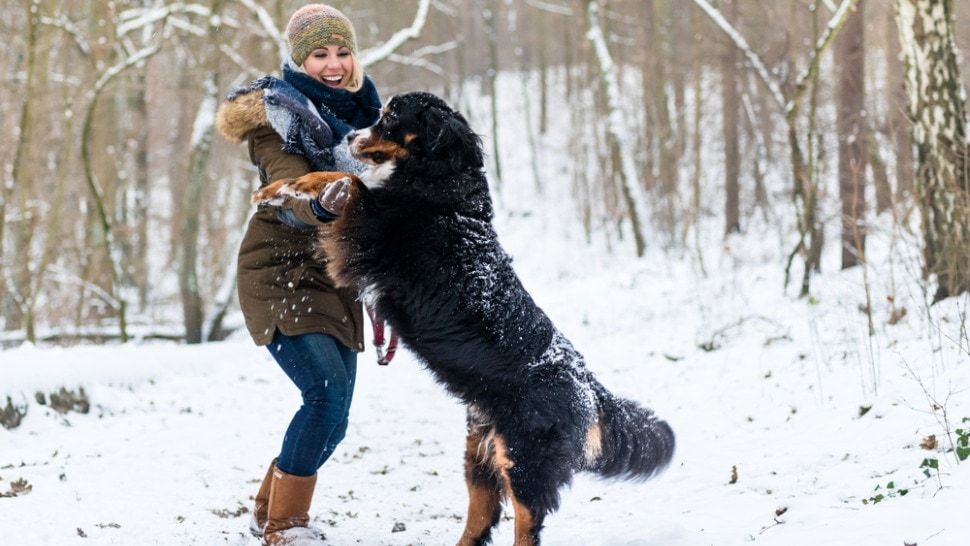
[(275, 193), (306, 187)]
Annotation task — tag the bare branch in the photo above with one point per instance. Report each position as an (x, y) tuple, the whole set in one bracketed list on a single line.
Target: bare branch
[(236, 58), (377, 54), (831, 29), (418, 62), (266, 20), (550, 7), (69, 27), (134, 19), (773, 85)]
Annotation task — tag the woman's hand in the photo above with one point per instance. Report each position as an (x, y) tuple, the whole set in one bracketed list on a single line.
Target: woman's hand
[(335, 195)]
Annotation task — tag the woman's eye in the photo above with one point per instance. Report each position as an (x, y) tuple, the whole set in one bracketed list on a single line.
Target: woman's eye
[(343, 54)]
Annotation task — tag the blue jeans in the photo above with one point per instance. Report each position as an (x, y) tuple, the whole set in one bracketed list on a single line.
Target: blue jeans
[(324, 371)]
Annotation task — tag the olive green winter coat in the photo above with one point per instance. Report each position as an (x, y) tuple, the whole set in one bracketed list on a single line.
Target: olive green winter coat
[(281, 285)]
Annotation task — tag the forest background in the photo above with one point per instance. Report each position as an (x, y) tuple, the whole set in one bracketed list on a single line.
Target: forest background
[(121, 210)]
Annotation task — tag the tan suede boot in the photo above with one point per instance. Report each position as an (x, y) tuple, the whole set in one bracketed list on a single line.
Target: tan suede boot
[(261, 502), (287, 512)]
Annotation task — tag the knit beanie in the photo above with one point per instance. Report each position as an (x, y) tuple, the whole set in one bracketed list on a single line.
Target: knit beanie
[(318, 25)]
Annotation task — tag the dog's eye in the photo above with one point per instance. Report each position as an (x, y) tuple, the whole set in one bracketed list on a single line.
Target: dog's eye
[(379, 157)]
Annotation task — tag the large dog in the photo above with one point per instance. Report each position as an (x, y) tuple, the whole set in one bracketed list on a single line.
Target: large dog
[(417, 240)]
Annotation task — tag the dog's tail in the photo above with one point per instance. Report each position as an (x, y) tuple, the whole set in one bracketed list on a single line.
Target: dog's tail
[(628, 441)]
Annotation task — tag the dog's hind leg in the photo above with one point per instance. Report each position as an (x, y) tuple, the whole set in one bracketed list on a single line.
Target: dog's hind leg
[(484, 490), (532, 485)]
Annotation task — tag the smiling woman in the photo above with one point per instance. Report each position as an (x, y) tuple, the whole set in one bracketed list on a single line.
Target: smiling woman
[(296, 125)]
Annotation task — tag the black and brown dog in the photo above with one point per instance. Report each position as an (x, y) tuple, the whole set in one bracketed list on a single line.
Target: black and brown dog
[(418, 240)]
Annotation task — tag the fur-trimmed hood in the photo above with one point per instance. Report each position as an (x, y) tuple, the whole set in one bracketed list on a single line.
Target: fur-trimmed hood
[(240, 115)]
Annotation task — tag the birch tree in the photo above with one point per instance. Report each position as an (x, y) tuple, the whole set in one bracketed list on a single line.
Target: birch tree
[(937, 109), (620, 140)]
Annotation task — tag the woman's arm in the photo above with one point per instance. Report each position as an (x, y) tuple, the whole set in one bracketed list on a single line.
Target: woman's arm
[(266, 152)]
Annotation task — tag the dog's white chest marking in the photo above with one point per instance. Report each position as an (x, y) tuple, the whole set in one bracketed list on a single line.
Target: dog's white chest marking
[(376, 175)]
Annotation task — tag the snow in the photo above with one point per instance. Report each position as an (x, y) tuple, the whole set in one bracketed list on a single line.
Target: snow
[(177, 434), (791, 395)]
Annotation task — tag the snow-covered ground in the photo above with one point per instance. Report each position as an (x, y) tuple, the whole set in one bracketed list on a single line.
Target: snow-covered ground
[(788, 414)]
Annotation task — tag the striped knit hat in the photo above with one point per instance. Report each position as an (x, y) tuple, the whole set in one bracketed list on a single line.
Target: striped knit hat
[(318, 25)]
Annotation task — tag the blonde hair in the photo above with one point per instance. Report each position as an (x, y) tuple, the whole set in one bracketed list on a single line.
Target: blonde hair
[(355, 80)]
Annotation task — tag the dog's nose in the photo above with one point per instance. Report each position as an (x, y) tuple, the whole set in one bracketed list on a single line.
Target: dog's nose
[(351, 136)]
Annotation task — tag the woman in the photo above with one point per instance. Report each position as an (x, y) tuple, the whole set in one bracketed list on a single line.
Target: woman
[(290, 305)]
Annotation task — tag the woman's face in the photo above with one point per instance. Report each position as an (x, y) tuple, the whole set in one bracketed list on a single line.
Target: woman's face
[(330, 65)]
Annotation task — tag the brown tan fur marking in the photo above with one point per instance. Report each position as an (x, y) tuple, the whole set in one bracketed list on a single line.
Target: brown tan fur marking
[(524, 521), (483, 501), (376, 145), (594, 443)]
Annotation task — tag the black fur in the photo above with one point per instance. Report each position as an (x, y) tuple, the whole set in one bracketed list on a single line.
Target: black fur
[(423, 247)]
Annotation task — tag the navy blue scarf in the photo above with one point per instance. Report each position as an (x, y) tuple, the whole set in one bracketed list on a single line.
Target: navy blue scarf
[(316, 135), (343, 110)]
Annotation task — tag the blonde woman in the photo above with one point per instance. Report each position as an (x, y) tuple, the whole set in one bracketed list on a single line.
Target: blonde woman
[(293, 126)]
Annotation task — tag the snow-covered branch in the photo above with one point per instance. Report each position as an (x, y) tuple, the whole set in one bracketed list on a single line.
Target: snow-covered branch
[(132, 60), (417, 57), (434, 49), (377, 54), (134, 19), (774, 87), (240, 62), (831, 29), (182, 24), (69, 27), (416, 62), (550, 7), (266, 20)]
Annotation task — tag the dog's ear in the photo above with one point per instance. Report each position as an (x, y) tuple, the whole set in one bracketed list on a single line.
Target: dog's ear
[(450, 137)]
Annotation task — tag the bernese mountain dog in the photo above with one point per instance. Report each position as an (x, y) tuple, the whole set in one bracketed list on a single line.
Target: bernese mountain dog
[(414, 233)]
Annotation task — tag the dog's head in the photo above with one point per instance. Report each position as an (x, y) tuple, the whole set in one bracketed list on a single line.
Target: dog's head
[(419, 133)]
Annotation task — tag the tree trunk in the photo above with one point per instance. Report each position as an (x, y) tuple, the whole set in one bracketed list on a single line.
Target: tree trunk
[(900, 126), (192, 308), (732, 110), (491, 79), (936, 106), (12, 303), (850, 107)]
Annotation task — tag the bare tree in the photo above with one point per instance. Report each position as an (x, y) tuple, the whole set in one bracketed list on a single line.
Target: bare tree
[(851, 55), (617, 132), (937, 108), (731, 98), (791, 99)]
